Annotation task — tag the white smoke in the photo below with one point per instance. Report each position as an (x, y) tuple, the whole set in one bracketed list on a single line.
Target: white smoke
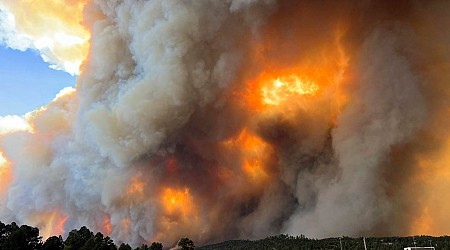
[(152, 63), (9, 34), (63, 43)]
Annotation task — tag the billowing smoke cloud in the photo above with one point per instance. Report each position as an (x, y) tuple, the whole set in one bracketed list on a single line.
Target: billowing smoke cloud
[(237, 119), (51, 27)]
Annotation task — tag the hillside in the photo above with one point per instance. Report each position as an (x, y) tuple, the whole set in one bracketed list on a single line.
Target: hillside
[(301, 242)]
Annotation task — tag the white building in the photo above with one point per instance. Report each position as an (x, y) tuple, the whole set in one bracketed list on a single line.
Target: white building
[(419, 248)]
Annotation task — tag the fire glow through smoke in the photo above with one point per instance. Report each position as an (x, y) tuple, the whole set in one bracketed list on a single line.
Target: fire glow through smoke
[(236, 119), (283, 88)]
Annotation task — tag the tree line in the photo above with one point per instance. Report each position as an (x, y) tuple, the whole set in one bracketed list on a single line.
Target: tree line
[(286, 242), (14, 237)]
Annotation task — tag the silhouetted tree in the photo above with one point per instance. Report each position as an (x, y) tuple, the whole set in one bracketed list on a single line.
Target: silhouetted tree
[(77, 238), (21, 238), (143, 247), (2, 233), (186, 244), (98, 242), (53, 243), (124, 246), (156, 246), (8, 229)]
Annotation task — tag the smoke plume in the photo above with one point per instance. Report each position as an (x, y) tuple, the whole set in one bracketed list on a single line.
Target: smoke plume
[(237, 119)]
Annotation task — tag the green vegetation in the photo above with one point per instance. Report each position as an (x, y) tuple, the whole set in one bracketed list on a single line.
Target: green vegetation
[(14, 237), (286, 242)]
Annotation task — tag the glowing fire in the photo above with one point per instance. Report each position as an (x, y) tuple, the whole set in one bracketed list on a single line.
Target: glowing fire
[(107, 228), (254, 153), (255, 169), (178, 211), (291, 87), (423, 223), (283, 88), (49, 223), (177, 201), (431, 214), (313, 77)]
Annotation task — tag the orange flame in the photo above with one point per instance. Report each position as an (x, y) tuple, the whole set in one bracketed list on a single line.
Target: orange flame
[(255, 170), (49, 223), (292, 87), (254, 153), (319, 74), (178, 212), (283, 88), (433, 181), (177, 201), (107, 225)]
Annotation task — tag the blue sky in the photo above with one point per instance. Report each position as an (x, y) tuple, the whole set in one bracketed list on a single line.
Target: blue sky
[(26, 81)]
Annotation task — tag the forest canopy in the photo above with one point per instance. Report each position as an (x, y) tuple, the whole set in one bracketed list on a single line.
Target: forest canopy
[(24, 237)]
